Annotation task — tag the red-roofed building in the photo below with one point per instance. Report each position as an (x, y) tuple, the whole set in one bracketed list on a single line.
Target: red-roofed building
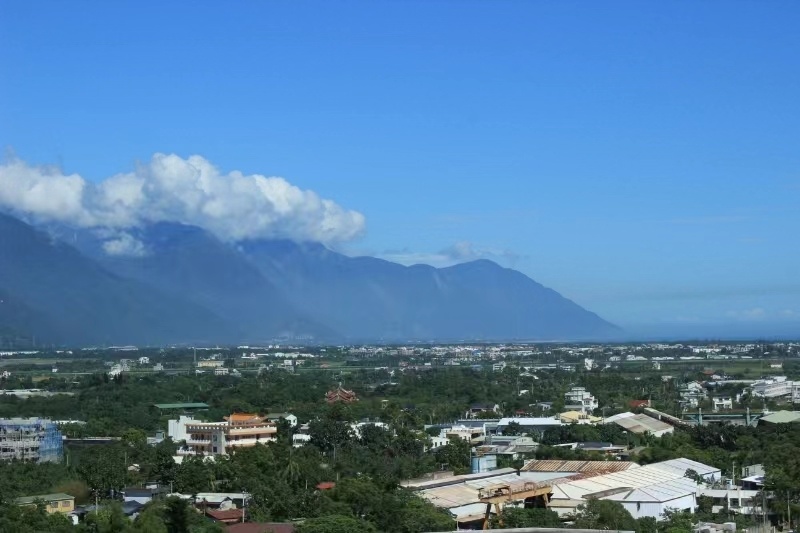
[(634, 404), (239, 430), (340, 395), (326, 485), (228, 516)]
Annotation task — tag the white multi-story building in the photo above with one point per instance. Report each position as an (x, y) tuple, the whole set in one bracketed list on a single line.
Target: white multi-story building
[(723, 402), (773, 388), (580, 399)]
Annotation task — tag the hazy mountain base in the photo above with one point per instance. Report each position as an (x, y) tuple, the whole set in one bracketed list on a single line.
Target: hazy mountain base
[(189, 286)]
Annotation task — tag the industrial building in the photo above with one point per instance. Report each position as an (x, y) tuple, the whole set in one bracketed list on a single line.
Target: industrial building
[(645, 491), (640, 424), (775, 387), (564, 485), (30, 439)]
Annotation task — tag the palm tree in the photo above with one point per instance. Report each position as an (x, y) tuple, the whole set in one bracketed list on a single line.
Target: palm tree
[(291, 471)]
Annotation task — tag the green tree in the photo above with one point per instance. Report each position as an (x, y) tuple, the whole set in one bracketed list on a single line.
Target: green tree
[(603, 514), (520, 517), (455, 454), (336, 524)]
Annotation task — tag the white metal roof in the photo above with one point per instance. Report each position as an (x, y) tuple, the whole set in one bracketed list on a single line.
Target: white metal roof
[(466, 491), (531, 421), (614, 418), (680, 466), (647, 483)]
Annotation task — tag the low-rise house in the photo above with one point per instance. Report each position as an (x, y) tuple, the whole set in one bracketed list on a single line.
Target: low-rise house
[(210, 363), (140, 495), (473, 435), (226, 516), (275, 417), (529, 424), (510, 446), (477, 408), (58, 502), (735, 500), (300, 439), (692, 393), (608, 448), (722, 402)]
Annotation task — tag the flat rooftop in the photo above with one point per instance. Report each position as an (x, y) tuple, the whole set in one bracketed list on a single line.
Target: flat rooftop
[(189, 405)]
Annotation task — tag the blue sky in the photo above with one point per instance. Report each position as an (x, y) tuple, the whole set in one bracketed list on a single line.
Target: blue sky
[(641, 158)]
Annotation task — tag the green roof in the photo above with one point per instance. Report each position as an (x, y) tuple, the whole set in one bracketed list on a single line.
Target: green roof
[(782, 417), (196, 405), (58, 496)]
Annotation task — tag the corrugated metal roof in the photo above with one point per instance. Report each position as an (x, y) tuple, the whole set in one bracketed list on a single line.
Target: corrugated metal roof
[(681, 465), (467, 491), (557, 465), (781, 417), (531, 421), (651, 483), (642, 423)]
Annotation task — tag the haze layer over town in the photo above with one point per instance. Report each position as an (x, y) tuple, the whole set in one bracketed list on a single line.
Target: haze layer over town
[(399, 267)]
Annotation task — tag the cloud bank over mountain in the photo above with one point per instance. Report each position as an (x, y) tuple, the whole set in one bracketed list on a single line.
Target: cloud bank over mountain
[(168, 188)]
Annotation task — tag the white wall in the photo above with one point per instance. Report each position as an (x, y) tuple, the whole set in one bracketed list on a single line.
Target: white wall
[(176, 429), (656, 509)]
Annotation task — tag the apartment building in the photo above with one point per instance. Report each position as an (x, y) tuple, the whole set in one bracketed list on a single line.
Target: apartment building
[(239, 430), (30, 439), (580, 399)]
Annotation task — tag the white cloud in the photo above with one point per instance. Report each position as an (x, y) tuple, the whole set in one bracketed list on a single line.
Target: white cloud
[(169, 188), (124, 244), (459, 252)]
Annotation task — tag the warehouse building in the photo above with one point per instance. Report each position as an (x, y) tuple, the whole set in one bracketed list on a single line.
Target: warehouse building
[(564, 485), (640, 424), (645, 491)]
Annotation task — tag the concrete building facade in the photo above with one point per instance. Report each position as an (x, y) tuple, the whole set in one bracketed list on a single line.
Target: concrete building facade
[(239, 430), (30, 439)]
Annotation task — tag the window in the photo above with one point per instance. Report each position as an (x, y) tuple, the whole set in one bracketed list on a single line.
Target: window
[(65, 503)]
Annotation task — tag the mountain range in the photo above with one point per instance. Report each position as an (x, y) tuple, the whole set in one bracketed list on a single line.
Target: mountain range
[(59, 285)]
